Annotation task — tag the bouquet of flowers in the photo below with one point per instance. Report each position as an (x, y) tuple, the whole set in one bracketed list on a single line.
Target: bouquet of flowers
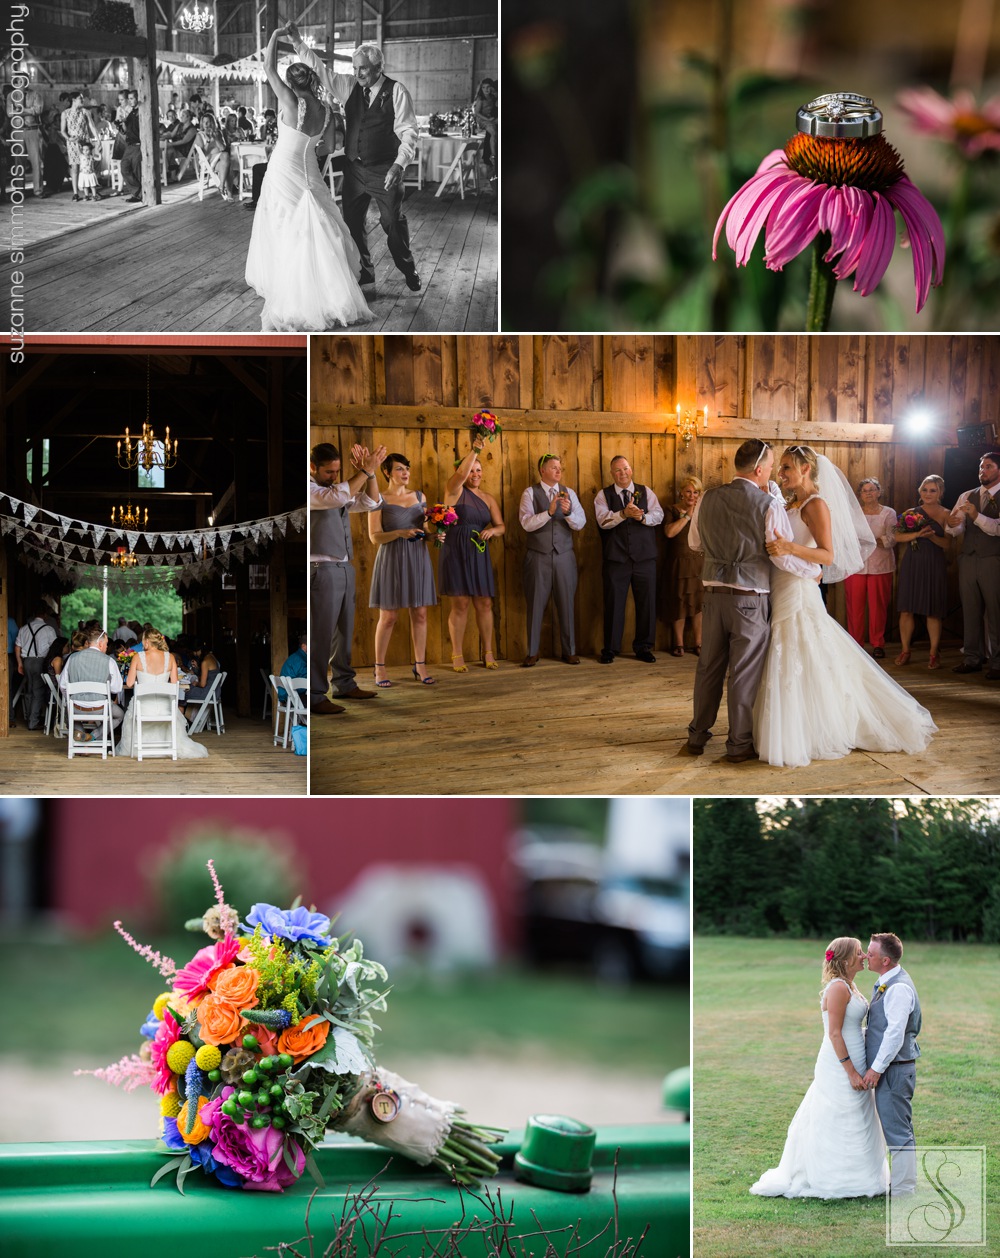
[(486, 425), (440, 518), (264, 1040), (123, 658), (912, 521)]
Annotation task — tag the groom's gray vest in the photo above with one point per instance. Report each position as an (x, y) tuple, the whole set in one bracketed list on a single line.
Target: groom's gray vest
[(555, 534), (731, 522), (909, 1050), (330, 532)]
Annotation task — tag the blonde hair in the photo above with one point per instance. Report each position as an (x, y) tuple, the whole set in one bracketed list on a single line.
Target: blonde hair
[(691, 480), (155, 639), (934, 480), (839, 954), (804, 456)]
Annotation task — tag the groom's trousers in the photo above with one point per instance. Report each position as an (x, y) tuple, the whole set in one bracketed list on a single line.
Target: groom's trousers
[(363, 184), (735, 633), (894, 1102)]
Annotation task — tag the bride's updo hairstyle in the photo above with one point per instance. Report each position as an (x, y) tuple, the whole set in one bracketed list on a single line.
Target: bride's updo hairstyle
[(300, 78), (839, 956), (805, 456), (155, 639), (390, 461)]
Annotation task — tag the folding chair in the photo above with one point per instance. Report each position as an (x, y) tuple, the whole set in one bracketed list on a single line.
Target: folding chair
[(268, 695), (459, 168), (55, 713), (209, 708), (294, 708), (82, 713), (334, 178), (155, 718), (207, 177), (250, 155), (116, 182)]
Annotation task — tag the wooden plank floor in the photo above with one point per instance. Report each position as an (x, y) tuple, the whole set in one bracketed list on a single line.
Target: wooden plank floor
[(178, 267), (547, 731), (242, 761)]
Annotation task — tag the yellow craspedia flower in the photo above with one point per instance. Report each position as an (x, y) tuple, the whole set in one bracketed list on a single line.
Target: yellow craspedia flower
[(208, 1057), (179, 1056), (160, 1003), (199, 1132), (170, 1105)]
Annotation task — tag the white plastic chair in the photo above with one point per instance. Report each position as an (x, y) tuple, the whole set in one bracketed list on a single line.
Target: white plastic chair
[(294, 708), (90, 714), (155, 718), (55, 713), (117, 183), (250, 155), (209, 709)]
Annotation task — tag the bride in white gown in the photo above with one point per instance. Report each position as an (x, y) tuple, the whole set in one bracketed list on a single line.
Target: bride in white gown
[(302, 259), (821, 695), (835, 1146), (155, 663)]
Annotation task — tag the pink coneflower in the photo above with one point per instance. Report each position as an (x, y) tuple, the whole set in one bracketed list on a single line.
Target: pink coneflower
[(848, 188), (973, 129)]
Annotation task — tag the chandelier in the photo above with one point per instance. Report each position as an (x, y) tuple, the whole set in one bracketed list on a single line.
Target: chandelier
[(196, 20), (129, 517), (123, 558), (147, 451)]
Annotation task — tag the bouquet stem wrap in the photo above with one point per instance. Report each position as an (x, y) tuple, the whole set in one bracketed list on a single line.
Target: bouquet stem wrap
[(418, 1131)]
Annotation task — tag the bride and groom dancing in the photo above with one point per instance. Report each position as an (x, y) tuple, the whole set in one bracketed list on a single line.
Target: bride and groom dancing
[(306, 259), (799, 687), (860, 1100)]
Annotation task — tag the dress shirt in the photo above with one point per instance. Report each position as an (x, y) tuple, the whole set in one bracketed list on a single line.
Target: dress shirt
[(986, 523), (531, 522), (611, 519), (44, 636), (341, 86), (114, 673), (327, 497), (776, 524), (898, 1001)]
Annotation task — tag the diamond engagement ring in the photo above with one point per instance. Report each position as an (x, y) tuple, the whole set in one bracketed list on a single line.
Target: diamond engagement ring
[(840, 115)]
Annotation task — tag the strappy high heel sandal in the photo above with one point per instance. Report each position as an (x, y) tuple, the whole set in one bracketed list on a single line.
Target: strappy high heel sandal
[(461, 666), (385, 683), (903, 657), (424, 681), (489, 661), (934, 663)]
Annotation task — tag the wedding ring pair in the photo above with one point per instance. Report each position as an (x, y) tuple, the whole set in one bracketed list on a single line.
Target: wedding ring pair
[(840, 115)]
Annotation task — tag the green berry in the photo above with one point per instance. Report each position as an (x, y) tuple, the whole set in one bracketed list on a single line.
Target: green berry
[(250, 1077), (277, 1090), (263, 1097), (267, 1063), (245, 1098), (251, 1042), (261, 1120), (214, 1076), (277, 1121), (286, 1060), (230, 1107)]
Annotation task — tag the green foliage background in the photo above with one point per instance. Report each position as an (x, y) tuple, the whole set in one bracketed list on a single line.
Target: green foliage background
[(161, 607)]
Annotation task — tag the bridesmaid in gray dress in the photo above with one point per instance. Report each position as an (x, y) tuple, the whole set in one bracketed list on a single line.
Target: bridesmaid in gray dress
[(402, 576)]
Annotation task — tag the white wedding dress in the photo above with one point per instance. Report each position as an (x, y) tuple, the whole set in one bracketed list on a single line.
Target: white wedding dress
[(835, 1146), (302, 259), (821, 695), (187, 748)]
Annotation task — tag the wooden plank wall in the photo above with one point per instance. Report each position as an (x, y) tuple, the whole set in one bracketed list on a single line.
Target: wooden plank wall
[(588, 398)]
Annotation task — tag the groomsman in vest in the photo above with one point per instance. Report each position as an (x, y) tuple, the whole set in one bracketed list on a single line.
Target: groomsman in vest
[(891, 1046), (976, 519), (628, 516), (332, 589), (381, 142), (93, 664), (549, 514)]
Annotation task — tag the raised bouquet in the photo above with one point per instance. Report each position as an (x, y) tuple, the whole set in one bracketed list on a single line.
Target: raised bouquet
[(486, 425), (263, 1041), (440, 519)]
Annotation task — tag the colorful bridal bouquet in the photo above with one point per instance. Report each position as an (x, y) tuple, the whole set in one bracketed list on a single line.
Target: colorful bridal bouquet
[(264, 1041), (913, 521), (123, 658), (440, 519), (486, 425)]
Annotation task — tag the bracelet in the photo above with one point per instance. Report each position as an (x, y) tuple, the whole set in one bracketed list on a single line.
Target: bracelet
[(843, 1059)]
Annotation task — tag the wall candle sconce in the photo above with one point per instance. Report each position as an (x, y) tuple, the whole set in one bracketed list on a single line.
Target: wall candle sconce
[(688, 423)]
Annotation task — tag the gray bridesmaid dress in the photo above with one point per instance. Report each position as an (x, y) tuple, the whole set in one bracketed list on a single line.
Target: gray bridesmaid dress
[(402, 576)]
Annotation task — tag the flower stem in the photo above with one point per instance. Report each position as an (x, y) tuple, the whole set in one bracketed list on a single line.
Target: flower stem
[(822, 287)]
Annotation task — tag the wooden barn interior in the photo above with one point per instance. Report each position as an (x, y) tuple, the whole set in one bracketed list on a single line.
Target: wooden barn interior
[(440, 50), (856, 399), (237, 412)]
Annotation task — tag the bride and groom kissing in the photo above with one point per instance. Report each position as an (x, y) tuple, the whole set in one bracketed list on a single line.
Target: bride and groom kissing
[(860, 1101), (799, 687)]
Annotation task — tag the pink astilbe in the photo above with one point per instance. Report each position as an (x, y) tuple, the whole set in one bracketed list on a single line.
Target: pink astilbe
[(220, 898), (129, 1073), (164, 964)]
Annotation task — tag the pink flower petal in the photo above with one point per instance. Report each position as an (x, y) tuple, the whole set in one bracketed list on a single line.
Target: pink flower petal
[(876, 249), (748, 210), (794, 225), (925, 232)]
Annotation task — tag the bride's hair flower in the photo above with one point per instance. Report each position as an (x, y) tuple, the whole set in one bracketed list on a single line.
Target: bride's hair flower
[(829, 954), (842, 187)]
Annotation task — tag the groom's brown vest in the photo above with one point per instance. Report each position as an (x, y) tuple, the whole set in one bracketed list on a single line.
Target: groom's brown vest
[(731, 523)]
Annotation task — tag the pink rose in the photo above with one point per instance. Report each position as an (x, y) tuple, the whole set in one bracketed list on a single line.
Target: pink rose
[(256, 1153)]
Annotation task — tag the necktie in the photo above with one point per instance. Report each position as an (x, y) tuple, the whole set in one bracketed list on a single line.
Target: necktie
[(988, 504), (627, 496), (368, 97)]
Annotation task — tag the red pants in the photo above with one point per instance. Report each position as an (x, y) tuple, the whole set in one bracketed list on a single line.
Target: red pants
[(876, 591)]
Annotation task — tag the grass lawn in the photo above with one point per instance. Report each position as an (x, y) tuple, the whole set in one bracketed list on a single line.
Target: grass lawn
[(757, 1032), (90, 999)]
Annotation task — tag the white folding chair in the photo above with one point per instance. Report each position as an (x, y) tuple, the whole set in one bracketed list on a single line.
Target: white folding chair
[(250, 155), (334, 178), (278, 705), (296, 712), (55, 713), (117, 183), (268, 695), (461, 166), (21, 695), (208, 178), (83, 714), (413, 172), (209, 709), (155, 718)]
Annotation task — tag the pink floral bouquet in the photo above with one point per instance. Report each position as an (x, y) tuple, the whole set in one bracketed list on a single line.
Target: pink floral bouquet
[(263, 1040), (123, 658), (486, 425), (440, 519), (912, 521)]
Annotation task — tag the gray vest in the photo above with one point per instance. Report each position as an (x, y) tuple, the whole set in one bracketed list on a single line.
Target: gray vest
[(330, 533), (975, 542), (909, 1050), (731, 522), (631, 539), (88, 665), (555, 535), (370, 129)]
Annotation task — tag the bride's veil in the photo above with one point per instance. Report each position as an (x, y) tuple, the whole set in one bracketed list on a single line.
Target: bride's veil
[(853, 540)]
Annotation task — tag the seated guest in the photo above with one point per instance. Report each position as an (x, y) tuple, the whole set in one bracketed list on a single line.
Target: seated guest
[(269, 127), (204, 657), (297, 665), (92, 664), (215, 145), (56, 657), (179, 148), (243, 122)]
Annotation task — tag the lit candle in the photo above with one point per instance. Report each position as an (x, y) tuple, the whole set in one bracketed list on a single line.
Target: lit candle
[(705, 422)]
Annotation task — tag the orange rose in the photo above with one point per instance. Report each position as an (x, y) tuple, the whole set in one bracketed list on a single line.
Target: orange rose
[(302, 1043), (236, 985), (220, 1021)]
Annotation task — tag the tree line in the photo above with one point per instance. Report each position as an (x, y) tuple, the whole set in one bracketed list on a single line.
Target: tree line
[(925, 869)]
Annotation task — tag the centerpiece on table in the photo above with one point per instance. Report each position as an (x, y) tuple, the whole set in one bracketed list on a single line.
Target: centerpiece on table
[(263, 1041)]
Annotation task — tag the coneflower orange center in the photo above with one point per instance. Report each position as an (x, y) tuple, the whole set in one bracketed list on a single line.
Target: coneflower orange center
[(872, 164), (969, 125)]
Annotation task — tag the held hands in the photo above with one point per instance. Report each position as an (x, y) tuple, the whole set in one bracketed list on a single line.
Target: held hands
[(870, 1080), (856, 1081)]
